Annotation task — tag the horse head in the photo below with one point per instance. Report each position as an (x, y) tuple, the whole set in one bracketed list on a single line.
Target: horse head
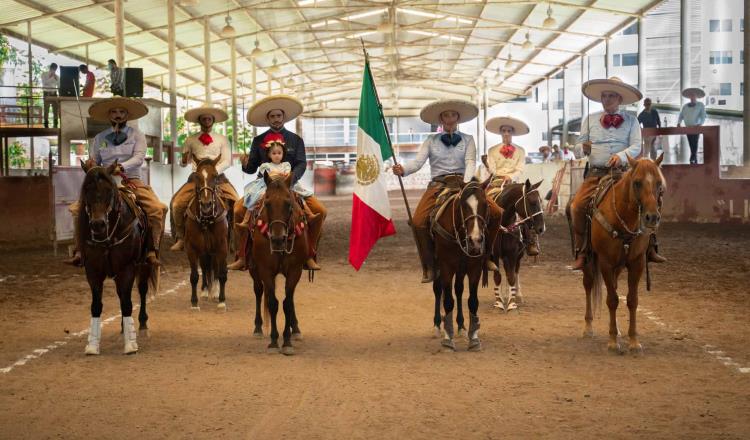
[(98, 197), (207, 182), (474, 216), (646, 187), (529, 206), (279, 211)]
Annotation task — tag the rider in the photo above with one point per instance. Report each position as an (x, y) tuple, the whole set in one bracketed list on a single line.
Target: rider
[(204, 145), (127, 145), (450, 153), (274, 111), (606, 137), (506, 160)]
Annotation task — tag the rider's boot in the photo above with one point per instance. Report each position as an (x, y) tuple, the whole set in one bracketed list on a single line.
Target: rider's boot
[(311, 264), (238, 264), (179, 227), (580, 261), (653, 251), (178, 245), (77, 259), (532, 249), (152, 259), (491, 266), (245, 223), (427, 253)]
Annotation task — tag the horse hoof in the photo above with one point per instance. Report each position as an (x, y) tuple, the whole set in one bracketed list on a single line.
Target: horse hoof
[(272, 350), (92, 350), (297, 336), (195, 308), (499, 305), (475, 345), (257, 334), (130, 348), (287, 351), (614, 348), (222, 307), (588, 333), (461, 333), (448, 345), (436, 332), (636, 349), (204, 294), (143, 333)]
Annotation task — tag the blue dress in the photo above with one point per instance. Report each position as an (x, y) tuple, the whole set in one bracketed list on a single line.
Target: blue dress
[(255, 189)]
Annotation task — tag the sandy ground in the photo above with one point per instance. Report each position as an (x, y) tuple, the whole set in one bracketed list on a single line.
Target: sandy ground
[(368, 367)]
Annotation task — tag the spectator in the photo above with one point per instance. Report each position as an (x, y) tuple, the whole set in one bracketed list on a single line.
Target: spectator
[(649, 118), (88, 86), (116, 84), (567, 154), (50, 84), (546, 153), (694, 115), (556, 153)]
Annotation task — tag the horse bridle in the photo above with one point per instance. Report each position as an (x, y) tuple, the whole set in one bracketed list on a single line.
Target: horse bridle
[(465, 245), (287, 225), (109, 234), (207, 220)]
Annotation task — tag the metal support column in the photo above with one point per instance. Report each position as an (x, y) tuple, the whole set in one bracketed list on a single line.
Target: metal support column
[(233, 76), (549, 127), (119, 33), (607, 58), (254, 80), (746, 97), (641, 57), (486, 102), (171, 40), (207, 59), (564, 136)]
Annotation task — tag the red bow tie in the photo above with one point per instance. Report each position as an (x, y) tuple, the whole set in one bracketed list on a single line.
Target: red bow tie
[(507, 151), (614, 120), (205, 138)]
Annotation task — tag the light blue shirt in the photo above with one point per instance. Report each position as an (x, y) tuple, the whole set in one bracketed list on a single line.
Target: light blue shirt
[(460, 159), (695, 115), (130, 154), (607, 142)]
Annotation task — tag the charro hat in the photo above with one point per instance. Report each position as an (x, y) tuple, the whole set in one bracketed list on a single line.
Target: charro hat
[(699, 93), (219, 115), (258, 113), (494, 125), (432, 111), (99, 111), (593, 90)]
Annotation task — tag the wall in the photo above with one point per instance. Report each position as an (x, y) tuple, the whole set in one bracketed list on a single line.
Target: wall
[(25, 216)]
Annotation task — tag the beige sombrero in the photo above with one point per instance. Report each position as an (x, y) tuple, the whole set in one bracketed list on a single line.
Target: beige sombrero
[(699, 93), (193, 114), (99, 111), (494, 125), (291, 106), (593, 90), (432, 111)]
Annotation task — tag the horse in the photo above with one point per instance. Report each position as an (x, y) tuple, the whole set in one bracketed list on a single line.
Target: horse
[(460, 249), (206, 232), (619, 240), (114, 236), (522, 215), (279, 247)]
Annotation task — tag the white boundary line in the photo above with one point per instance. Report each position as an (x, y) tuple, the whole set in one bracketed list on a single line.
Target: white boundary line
[(39, 352)]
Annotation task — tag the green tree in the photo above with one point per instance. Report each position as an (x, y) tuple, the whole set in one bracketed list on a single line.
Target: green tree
[(17, 155), (8, 53)]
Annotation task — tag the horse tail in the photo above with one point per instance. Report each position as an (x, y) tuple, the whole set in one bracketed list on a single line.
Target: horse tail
[(569, 216), (596, 288), (207, 267), (154, 278)]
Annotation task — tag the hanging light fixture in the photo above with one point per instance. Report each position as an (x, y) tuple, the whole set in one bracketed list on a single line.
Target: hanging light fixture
[(274, 69), (228, 30), (509, 63), (549, 22), (527, 45), (257, 51), (500, 76)]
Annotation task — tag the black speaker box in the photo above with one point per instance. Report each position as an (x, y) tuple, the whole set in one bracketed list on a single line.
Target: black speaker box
[(68, 81), (133, 79)]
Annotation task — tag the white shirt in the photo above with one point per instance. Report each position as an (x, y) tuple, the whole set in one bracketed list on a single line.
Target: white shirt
[(458, 159), (507, 167), (626, 139), (569, 155), (50, 82), (220, 145)]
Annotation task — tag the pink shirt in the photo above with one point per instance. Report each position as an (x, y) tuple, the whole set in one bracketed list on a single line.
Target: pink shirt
[(88, 87)]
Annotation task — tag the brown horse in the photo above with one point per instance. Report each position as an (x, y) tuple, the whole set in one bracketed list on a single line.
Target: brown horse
[(279, 247), (619, 240), (114, 233), (206, 233), (461, 247)]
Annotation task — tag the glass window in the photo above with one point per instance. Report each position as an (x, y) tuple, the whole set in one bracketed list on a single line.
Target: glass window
[(631, 30), (742, 57), (616, 60), (742, 25), (714, 57), (722, 102), (725, 89), (742, 89), (726, 57), (726, 25), (713, 26), (630, 59)]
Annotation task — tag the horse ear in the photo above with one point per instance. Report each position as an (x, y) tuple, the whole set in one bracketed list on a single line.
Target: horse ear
[(631, 161), (659, 159), (83, 165), (536, 185), (527, 184), (112, 167), (266, 177), (217, 160)]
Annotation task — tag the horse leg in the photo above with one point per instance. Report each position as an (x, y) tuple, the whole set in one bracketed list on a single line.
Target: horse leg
[(475, 344), (273, 308), (222, 275), (143, 292), (588, 285), (635, 270), (289, 315), (519, 296), (296, 332), (459, 288), (497, 277), (124, 284), (258, 288), (194, 285), (95, 328), (446, 281), (509, 266), (610, 281), (436, 290)]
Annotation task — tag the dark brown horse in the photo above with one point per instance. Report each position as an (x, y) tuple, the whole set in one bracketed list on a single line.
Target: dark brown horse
[(114, 233), (522, 216), (206, 229), (619, 240), (461, 246), (279, 247)]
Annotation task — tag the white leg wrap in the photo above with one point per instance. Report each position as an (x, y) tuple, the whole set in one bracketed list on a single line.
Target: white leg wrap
[(129, 335), (95, 336)]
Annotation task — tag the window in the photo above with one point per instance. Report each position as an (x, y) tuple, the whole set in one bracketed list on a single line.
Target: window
[(742, 25), (726, 25), (631, 30), (742, 57), (720, 57), (742, 89), (725, 89), (722, 25), (630, 59), (722, 102), (713, 26), (726, 57), (616, 60)]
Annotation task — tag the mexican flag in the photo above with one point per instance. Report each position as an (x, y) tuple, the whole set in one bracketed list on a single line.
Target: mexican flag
[(371, 211)]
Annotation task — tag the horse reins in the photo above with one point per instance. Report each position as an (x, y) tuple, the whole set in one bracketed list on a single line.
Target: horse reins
[(465, 246), (287, 225), (109, 234), (207, 220)]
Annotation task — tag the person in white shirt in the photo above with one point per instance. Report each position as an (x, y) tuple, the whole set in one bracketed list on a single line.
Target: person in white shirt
[(50, 83), (567, 153), (204, 145), (694, 115)]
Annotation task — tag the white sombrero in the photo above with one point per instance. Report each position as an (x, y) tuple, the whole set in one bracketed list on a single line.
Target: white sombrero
[(291, 106), (193, 114), (99, 111), (593, 90), (699, 93), (432, 111), (494, 125)]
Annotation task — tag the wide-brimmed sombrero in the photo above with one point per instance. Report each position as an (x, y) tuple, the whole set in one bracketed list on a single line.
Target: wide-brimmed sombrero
[(544, 147), (432, 111), (99, 111), (593, 90), (699, 93), (193, 114), (494, 125), (291, 106)]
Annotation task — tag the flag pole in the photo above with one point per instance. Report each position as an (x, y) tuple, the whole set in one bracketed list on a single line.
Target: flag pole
[(388, 136)]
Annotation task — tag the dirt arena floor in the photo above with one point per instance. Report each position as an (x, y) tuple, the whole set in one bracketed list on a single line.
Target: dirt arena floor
[(368, 366)]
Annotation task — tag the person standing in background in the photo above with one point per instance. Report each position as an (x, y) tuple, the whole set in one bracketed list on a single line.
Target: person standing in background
[(649, 118), (116, 85), (50, 84), (88, 86), (694, 115)]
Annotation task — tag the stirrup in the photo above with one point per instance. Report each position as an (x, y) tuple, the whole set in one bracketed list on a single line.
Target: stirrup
[(76, 260), (654, 257)]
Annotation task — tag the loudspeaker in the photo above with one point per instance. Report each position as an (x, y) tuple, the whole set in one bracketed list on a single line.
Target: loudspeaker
[(69, 76), (133, 79)]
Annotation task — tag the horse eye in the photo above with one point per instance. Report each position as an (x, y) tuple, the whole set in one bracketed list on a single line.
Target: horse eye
[(637, 183)]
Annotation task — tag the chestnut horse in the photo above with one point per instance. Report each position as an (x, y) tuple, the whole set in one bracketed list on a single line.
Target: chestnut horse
[(206, 229), (620, 232), (461, 246), (279, 247)]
